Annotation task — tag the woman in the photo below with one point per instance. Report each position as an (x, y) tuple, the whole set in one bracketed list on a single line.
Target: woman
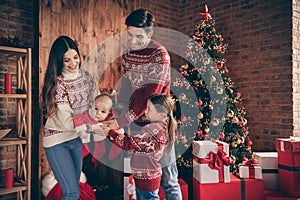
[(67, 91)]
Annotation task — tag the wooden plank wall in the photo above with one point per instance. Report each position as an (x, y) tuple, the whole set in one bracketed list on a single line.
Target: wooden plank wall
[(90, 23)]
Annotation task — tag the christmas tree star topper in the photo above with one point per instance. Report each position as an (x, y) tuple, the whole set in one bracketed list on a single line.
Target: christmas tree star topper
[(206, 15)]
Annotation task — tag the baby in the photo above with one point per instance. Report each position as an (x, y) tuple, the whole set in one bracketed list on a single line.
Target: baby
[(89, 121)]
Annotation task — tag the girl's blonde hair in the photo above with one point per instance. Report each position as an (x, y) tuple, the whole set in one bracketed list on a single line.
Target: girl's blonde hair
[(165, 103)]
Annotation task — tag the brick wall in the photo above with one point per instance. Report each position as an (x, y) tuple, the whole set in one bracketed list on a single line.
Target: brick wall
[(16, 19), (296, 66), (259, 59)]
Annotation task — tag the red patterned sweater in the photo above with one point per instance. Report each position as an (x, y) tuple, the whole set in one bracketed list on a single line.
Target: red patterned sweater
[(147, 72), (147, 149)]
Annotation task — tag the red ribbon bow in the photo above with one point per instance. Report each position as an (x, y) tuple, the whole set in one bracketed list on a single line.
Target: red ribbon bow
[(216, 161), (251, 163)]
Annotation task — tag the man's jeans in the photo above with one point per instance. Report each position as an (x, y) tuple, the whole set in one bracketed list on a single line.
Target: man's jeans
[(169, 182), (65, 160)]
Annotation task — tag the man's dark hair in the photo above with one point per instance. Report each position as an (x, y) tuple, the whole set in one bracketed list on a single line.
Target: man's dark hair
[(140, 18)]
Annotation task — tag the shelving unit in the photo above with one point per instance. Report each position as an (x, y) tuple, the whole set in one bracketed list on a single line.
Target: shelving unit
[(23, 122)]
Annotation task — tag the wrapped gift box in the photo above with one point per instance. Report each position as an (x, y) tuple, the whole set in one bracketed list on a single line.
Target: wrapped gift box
[(276, 195), (236, 189), (127, 174), (250, 171), (211, 162), (268, 161), (183, 187), (289, 165)]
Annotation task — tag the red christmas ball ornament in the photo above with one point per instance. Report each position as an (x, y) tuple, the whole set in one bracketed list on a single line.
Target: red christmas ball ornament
[(199, 132), (183, 119), (222, 135), (249, 143), (238, 94), (244, 159), (221, 39), (187, 54), (184, 73), (180, 135), (219, 65), (197, 32), (201, 42), (200, 103)]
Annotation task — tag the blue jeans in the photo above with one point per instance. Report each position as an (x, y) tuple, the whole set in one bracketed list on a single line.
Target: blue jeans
[(146, 195), (169, 182), (65, 160)]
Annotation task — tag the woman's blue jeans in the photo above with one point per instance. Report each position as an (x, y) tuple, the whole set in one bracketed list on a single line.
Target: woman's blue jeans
[(65, 160)]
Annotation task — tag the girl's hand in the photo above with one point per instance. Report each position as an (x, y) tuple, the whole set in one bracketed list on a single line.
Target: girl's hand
[(104, 130), (112, 124)]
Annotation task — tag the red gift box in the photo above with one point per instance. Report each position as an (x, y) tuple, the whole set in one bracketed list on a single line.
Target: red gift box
[(237, 189), (289, 166), (183, 187), (275, 195)]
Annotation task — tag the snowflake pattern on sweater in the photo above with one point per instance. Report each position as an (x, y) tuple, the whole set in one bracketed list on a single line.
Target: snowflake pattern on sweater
[(148, 72), (147, 148)]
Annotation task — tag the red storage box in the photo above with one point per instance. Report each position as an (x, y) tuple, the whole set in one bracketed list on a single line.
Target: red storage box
[(289, 166), (236, 189)]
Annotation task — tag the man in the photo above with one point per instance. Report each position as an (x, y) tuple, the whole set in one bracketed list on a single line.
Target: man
[(147, 71)]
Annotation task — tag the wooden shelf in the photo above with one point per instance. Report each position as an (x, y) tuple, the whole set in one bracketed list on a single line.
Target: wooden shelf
[(23, 121), (13, 96), (13, 50), (12, 141), (4, 191)]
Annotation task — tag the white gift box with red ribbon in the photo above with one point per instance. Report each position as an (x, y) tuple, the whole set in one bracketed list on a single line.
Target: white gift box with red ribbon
[(250, 169), (211, 161)]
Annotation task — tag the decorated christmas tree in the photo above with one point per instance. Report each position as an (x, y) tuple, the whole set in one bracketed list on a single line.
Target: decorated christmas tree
[(208, 102)]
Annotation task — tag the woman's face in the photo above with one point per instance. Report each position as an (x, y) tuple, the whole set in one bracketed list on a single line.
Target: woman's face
[(71, 61), (138, 38)]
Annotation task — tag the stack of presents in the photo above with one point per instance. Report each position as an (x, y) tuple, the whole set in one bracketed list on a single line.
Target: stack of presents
[(268, 176)]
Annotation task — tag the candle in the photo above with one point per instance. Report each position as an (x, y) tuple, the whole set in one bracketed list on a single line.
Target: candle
[(7, 83)]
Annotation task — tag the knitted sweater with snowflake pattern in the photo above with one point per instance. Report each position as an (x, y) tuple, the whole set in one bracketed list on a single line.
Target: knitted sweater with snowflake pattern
[(73, 95), (147, 148), (146, 72)]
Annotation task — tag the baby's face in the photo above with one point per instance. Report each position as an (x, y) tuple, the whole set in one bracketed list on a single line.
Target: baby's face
[(101, 108)]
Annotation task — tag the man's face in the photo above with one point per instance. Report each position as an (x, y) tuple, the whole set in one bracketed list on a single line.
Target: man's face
[(138, 38)]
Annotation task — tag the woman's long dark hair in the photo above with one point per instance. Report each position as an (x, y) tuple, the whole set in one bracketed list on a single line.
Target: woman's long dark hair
[(54, 69)]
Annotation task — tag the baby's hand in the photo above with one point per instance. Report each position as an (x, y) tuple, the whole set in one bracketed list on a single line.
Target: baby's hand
[(83, 134)]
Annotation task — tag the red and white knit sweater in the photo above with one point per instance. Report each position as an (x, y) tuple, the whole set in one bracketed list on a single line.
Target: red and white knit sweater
[(147, 147), (74, 94), (147, 72)]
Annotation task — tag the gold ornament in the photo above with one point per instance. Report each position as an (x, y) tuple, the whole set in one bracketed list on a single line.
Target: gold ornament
[(200, 115), (219, 90), (215, 122), (212, 79), (235, 120), (232, 159), (206, 130), (230, 113), (234, 144)]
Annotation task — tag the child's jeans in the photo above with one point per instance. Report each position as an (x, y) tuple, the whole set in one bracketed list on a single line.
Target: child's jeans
[(146, 195), (65, 160)]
